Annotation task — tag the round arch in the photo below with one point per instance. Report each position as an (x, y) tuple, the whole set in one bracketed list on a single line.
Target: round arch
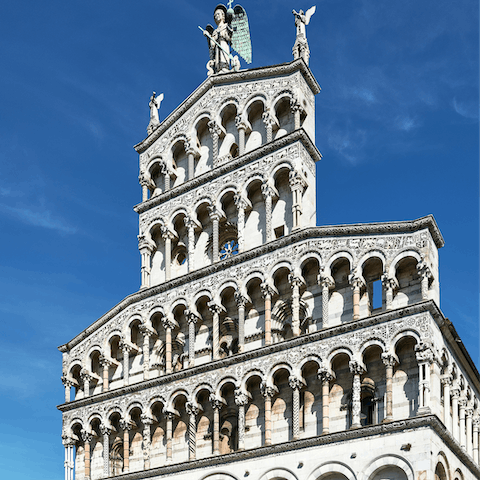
[(278, 474), (332, 467), (388, 461)]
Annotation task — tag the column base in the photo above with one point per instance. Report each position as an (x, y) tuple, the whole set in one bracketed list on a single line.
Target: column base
[(387, 420), (424, 411), (353, 427)]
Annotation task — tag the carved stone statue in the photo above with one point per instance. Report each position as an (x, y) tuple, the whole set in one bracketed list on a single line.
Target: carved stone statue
[(300, 49), (232, 30), (154, 106)]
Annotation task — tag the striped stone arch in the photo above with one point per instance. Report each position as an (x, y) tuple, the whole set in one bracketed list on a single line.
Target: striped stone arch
[(332, 467), (388, 461), (278, 474)]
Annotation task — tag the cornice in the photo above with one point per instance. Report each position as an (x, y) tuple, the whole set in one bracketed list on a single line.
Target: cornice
[(225, 78), (380, 318), (304, 234), (421, 422), (266, 149)]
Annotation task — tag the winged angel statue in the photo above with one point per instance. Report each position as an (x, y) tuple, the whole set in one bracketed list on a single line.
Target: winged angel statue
[(232, 30), (300, 49)]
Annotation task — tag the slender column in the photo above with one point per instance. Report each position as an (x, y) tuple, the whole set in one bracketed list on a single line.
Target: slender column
[(126, 426), (241, 127), (146, 183), (425, 357), (215, 309), (268, 392), (190, 224), (86, 378), (389, 285), (192, 320), (241, 205), (295, 283), (192, 411), (295, 384), (476, 428), (168, 236), (447, 419), (327, 283), (425, 275), (87, 437), (146, 249), (106, 431), (190, 151), (216, 405), (462, 403), (241, 400), (215, 133), (166, 175), (267, 292), (356, 283), (147, 333), (297, 184), (455, 393), (169, 416), (469, 426), (68, 384), (268, 121), (147, 422), (389, 361), (295, 108), (106, 363), (126, 349), (241, 302), (168, 324), (268, 193), (326, 376), (357, 370), (215, 218), (69, 463)]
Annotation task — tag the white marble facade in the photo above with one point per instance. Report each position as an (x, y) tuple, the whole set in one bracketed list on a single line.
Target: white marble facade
[(260, 345)]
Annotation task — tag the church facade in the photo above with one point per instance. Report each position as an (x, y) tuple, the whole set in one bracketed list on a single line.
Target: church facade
[(260, 345)]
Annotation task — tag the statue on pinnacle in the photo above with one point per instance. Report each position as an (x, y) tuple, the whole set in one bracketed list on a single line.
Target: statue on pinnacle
[(300, 49)]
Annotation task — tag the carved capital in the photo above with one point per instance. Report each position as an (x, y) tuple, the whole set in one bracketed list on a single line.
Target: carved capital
[(326, 281), (268, 390), (106, 361), (423, 270), (241, 397), (68, 441), (67, 382), (85, 375), (167, 234), (146, 330), (455, 393), (217, 403), (87, 436), (191, 316), (147, 420), (356, 368), (267, 190), (240, 202), (266, 290), (355, 281), (389, 359), (424, 353), (192, 408), (126, 424), (169, 322), (447, 380), (240, 299), (239, 123), (215, 308), (325, 374), (295, 382), (214, 128), (105, 429), (294, 280), (296, 180), (295, 105), (214, 213)]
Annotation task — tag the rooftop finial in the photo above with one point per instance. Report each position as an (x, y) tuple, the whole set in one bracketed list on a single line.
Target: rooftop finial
[(300, 49), (154, 106)]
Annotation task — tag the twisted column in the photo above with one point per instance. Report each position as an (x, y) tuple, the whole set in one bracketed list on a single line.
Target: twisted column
[(168, 324), (147, 333), (146, 249), (241, 205), (357, 370), (267, 292), (192, 320), (106, 430), (268, 121), (126, 349), (87, 437), (447, 384), (241, 302), (389, 360), (241, 127), (425, 274), (455, 393), (68, 384), (216, 405), (268, 194), (147, 422), (295, 283), (295, 384), (327, 283), (297, 184), (268, 392), (215, 133), (190, 224), (192, 411), (326, 376), (241, 400), (215, 309)]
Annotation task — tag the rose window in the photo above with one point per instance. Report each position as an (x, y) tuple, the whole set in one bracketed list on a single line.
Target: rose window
[(229, 249)]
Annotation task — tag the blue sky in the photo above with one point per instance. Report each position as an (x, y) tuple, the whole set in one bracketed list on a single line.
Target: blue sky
[(397, 124)]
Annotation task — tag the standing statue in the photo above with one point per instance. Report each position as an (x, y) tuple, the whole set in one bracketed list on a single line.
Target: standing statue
[(300, 49), (232, 30), (154, 106)]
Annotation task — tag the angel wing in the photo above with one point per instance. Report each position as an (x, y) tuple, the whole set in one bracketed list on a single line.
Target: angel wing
[(309, 13), (241, 34), (159, 98)]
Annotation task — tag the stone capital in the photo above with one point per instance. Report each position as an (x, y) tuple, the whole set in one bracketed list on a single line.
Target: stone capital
[(325, 374), (268, 390), (423, 270), (68, 441), (356, 368), (191, 316), (296, 180), (240, 299), (67, 382), (169, 322), (446, 380), (389, 282), (356, 281), (326, 281), (295, 383), (295, 105), (105, 429), (86, 375), (217, 403), (266, 289), (239, 123), (214, 128), (295, 280), (389, 359), (126, 346), (214, 307), (240, 202), (424, 353), (192, 408), (106, 361), (214, 213), (167, 234), (147, 420), (146, 330), (241, 397), (267, 190), (87, 436), (126, 424), (145, 244)]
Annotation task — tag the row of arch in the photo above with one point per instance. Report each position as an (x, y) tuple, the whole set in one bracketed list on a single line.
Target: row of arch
[(238, 317), (216, 138)]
